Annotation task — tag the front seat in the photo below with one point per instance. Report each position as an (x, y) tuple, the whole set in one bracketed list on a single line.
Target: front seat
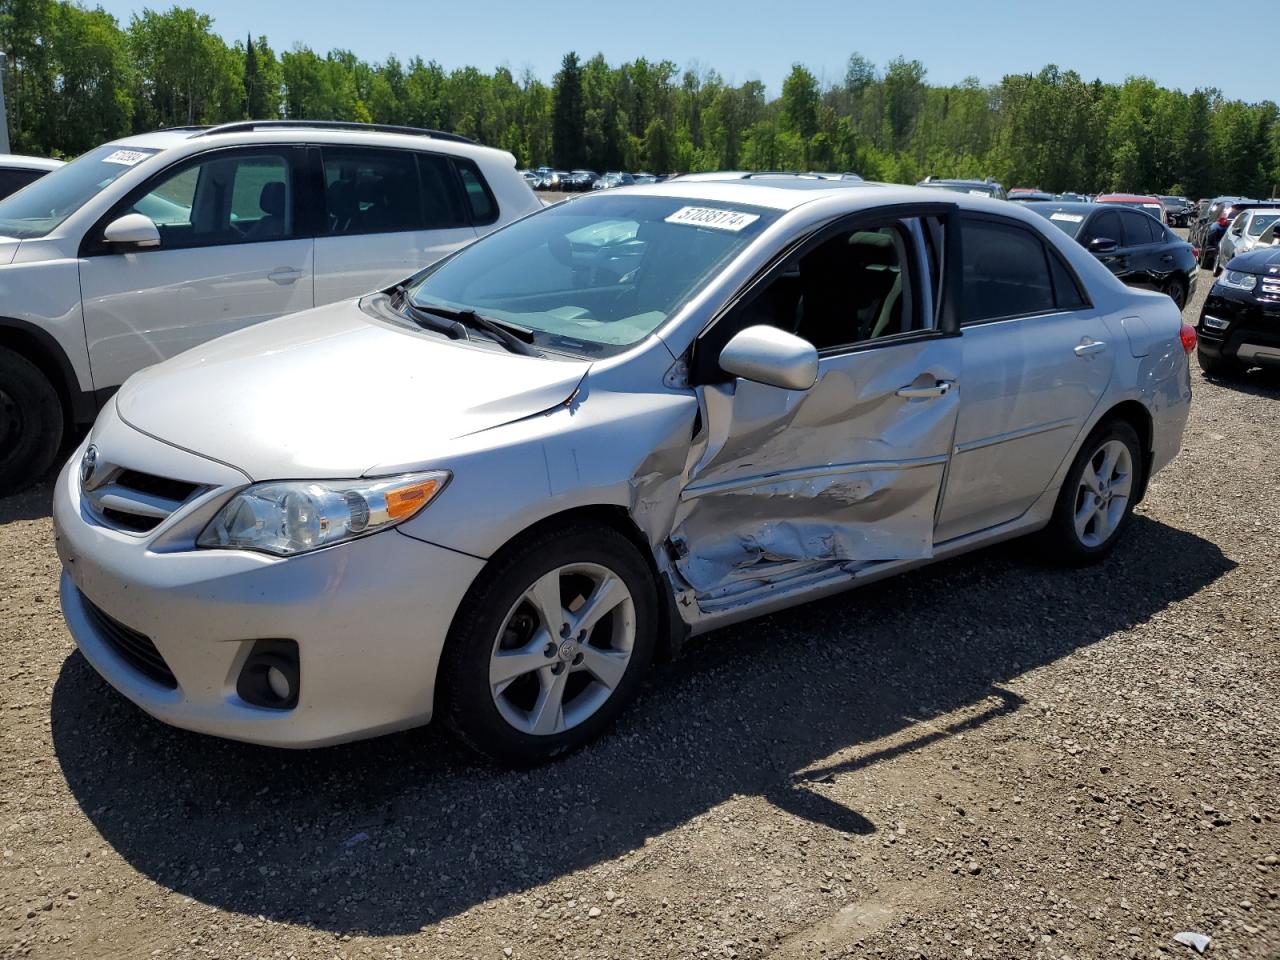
[(271, 201)]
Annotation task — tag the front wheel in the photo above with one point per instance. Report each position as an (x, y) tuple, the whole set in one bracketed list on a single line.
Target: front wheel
[(1098, 495), (1219, 366), (30, 422), (551, 642), (1176, 291)]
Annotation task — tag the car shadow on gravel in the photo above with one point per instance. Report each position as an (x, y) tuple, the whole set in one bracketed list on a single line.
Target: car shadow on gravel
[(389, 835), (1258, 382)]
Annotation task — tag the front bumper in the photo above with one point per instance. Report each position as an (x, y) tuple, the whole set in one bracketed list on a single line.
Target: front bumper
[(1252, 336), (369, 617)]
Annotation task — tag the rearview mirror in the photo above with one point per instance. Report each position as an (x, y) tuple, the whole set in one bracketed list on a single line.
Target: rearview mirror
[(132, 230), (1102, 245), (771, 356)]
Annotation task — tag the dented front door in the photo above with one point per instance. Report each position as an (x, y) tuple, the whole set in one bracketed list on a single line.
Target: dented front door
[(844, 474)]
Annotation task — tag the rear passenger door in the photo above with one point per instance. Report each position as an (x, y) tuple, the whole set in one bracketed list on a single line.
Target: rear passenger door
[(1141, 233), (1036, 361), (388, 214)]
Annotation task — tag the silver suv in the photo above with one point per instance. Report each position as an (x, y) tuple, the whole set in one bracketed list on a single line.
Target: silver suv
[(147, 246)]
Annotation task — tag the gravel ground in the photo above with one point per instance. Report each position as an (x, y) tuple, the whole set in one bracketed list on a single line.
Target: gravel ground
[(992, 758)]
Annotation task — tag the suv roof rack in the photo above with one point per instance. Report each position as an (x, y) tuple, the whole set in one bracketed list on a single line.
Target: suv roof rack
[(243, 126)]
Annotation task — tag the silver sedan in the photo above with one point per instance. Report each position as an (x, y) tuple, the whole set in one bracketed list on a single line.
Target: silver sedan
[(497, 492)]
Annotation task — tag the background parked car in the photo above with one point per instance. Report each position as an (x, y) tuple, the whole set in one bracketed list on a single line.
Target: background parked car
[(1072, 198), (1239, 324), (147, 246), (614, 179), (1177, 210), (579, 181), (1221, 215), (1135, 246), (978, 188), (17, 171), (1244, 233)]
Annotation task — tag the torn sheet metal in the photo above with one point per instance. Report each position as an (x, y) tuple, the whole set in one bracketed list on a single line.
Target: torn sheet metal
[(845, 474)]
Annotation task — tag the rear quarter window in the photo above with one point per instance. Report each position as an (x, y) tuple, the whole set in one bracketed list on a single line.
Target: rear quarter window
[(480, 199)]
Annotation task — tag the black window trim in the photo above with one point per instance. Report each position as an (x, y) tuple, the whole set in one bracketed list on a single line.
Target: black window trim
[(1048, 250), (946, 317), (295, 154)]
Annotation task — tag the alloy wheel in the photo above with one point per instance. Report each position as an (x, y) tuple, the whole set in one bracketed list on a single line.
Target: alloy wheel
[(563, 649), (1103, 495)]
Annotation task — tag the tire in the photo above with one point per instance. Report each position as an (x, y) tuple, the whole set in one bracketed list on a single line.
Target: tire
[(1176, 291), (501, 614), (1101, 530), (1206, 258), (1223, 367), (31, 422)]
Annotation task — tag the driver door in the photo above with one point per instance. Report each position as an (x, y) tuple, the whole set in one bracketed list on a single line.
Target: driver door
[(848, 473), (234, 250)]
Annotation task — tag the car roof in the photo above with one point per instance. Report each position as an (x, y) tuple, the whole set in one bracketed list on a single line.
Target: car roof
[(1128, 197), (1065, 206), (16, 161)]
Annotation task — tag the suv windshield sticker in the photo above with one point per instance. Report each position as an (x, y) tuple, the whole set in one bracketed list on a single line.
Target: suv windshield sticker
[(979, 193), (126, 157), (733, 220), (1069, 217)]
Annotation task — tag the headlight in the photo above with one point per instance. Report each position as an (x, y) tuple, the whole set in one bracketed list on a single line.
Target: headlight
[(284, 517), (1238, 280)]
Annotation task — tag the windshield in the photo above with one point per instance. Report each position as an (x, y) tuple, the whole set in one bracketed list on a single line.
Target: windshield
[(595, 275), (1260, 222), (38, 209)]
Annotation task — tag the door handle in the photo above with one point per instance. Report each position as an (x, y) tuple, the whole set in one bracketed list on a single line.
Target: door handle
[(912, 392), (283, 275), (1167, 258), (1088, 348)]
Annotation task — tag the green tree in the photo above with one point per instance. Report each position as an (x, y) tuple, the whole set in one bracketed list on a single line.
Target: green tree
[(568, 123)]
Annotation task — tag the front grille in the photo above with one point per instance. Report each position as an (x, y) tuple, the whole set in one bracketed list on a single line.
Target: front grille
[(157, 486), (135, 648), (137, 502)]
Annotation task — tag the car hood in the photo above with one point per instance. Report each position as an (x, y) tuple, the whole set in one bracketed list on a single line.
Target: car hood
[(1257, 260), (332, 392)]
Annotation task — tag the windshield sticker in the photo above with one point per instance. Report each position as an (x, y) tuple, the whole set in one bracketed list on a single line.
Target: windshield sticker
[(979, 193), (1069, 217), (731, 220), (126, 157)]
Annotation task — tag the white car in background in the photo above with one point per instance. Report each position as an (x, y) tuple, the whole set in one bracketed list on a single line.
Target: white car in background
[(1244, 234), (147, 246), (17, 171)]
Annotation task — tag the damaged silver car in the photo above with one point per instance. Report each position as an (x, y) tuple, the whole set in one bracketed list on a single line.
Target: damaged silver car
[(498, 491)]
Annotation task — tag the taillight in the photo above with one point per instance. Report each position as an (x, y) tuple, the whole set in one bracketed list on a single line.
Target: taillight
[(1188, 336), (1223, 221), (1195, 252)]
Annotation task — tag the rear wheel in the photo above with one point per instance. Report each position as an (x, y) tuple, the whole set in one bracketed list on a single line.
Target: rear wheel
[(31, 422), (1219, 366), (1176, 291), (550, 644), (1098, 495)]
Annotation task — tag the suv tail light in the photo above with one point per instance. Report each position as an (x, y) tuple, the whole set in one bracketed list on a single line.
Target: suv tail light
[(1223, 221), (1188, 336)]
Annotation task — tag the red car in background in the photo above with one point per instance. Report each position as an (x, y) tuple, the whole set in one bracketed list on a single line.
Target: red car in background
[(1151, 205)]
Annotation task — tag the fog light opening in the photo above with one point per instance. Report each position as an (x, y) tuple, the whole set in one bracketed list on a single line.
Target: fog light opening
[(270, 675)]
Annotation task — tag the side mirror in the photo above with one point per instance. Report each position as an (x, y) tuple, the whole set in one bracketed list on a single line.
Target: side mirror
[(771, 356), (132, 230), (1102, 245)]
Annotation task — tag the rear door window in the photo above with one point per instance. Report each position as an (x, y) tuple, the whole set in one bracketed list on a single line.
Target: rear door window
[(1006, 272), (1138, 228), (371, 191)]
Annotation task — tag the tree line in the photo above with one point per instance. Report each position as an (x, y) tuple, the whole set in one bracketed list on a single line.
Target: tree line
[(77, 78)]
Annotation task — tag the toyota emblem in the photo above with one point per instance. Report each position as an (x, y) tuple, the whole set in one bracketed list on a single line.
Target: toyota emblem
[(88, 464)]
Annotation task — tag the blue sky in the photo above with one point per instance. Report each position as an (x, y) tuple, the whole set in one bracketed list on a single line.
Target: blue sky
[(760, 39)]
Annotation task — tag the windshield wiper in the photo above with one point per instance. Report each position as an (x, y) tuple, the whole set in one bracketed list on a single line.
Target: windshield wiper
[(431, 321), (513, 337)]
